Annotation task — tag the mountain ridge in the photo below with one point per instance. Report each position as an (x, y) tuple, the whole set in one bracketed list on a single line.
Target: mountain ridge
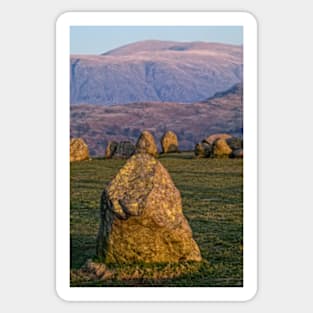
[(160, 71), (163, 45)]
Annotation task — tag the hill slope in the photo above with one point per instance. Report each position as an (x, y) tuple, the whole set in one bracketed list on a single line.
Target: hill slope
[(191, 122), (150, 71)]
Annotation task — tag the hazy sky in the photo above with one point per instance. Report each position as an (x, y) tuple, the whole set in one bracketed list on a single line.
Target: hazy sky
[(99, 39)]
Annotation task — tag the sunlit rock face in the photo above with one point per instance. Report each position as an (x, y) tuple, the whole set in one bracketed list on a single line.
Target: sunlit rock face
[(169, 142), (78, 150), (142, 218), (146, 143)]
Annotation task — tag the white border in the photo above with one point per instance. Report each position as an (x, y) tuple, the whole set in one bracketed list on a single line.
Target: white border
[(63, 288)]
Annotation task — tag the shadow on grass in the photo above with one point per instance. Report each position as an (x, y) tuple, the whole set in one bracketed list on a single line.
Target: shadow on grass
[(82, 248)]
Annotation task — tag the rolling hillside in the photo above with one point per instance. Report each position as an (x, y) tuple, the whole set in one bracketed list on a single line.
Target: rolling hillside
[(191, 122), (155, 71)]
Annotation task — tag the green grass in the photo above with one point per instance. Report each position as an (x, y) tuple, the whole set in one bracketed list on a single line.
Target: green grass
[(212, 196)]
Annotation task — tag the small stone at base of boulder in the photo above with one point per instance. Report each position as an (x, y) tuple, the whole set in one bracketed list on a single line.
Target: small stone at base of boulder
[(95, 270)]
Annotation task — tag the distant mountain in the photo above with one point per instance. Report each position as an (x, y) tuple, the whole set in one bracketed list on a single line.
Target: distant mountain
[(191, 122), (155, 71)]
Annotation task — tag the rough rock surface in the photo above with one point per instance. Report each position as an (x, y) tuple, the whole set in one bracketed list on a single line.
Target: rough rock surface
[(78, 150), (142, 218), (169, 142), (235, 143), (218, 146), (124, 150), (146, 143), (214, 137), (110, 149), (221, 149), (203, 149)]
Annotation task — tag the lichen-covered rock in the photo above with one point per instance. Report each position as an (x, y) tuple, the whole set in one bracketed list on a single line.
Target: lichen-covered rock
[(78, 150), (169, 142), (237, 154), (142, 218), (203, 149), (221, 149), (124, 150), (214, 137), (110, 149), (146, 143)]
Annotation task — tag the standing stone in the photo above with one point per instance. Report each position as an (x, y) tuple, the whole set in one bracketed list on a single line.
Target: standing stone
[(203, 149), (78, 150), (146, 143), (214, 137), (237, 154), (142, 218), (169, 142), (124, 150), (235, 143), (110, 149), (221, 149)]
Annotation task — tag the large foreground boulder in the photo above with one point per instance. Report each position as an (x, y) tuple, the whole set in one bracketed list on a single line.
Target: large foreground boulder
[(78, 150), (146, 143), (142, 218), (169, 142)]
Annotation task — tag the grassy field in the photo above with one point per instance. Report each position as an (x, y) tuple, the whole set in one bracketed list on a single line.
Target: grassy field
[(212, 196)]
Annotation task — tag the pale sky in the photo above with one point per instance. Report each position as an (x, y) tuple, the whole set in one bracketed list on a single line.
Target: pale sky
[(100, 39)]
